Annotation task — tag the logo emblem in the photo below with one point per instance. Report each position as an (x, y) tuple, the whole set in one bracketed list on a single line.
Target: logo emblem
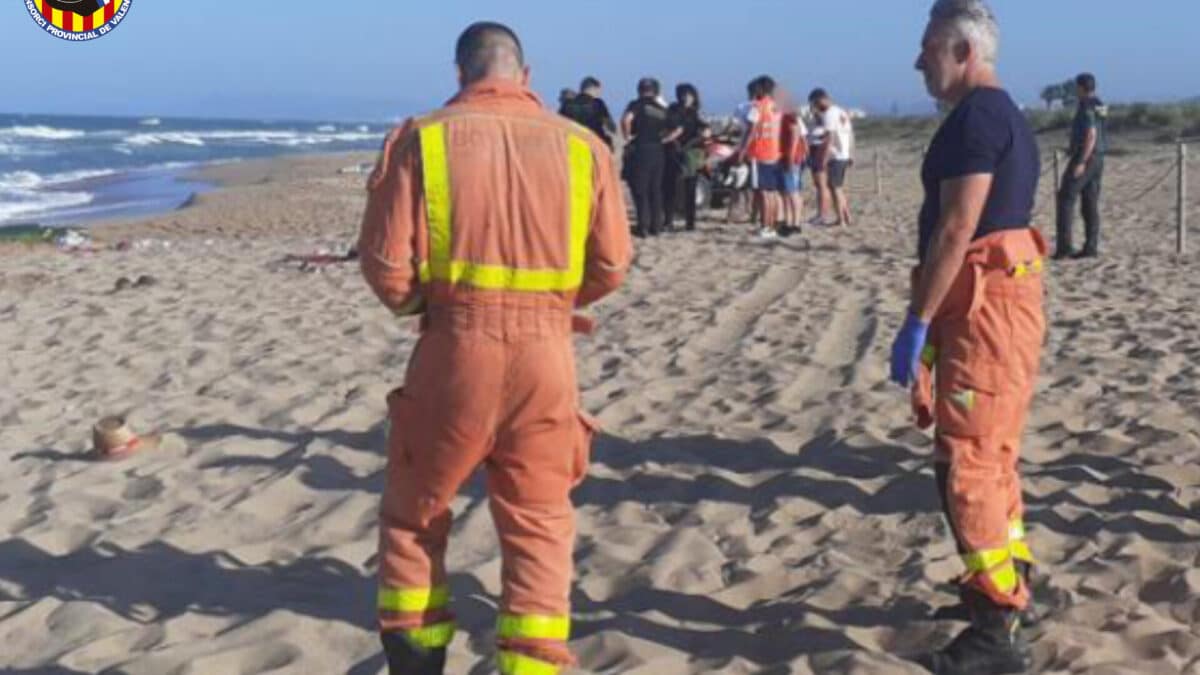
[(964, 399), (78, 20)]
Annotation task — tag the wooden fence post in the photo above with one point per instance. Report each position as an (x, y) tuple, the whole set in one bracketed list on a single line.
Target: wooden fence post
[(878, 176), (1181, 202)]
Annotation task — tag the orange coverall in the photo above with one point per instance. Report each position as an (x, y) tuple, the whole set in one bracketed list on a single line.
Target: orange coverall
[(982, 361), (494, 219)]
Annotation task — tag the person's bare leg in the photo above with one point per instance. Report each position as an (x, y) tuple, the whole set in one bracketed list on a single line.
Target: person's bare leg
[(842, 200), (789, 214), (824, 197)]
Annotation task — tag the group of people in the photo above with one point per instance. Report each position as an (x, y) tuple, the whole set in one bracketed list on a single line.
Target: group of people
[(666, 149), (494, 220), (778, 145)]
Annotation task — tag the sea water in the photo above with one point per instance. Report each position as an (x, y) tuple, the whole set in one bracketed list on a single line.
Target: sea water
[(70, 170)]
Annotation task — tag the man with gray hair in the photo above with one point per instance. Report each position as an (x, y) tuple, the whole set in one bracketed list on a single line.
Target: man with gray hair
[(972, 341)]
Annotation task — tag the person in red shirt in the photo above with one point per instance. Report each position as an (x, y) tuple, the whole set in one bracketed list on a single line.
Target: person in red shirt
[(794, 146)]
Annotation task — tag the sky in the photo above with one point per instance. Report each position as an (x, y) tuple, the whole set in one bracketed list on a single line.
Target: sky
[(367, 61)]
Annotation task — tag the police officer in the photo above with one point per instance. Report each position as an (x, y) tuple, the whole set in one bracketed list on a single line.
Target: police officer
[(589, 110), (1084, 173), (647, 126)]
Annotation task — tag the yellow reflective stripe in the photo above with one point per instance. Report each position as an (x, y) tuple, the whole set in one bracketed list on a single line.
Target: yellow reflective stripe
[(514, 663), (1034, 266), (533, 627), (1016, 530), (982, 561), (580, 157), (1004, 577), (1020, 551), (431, 637), (929, 355), (410, 600), (499, 278), (439, 211), (437, 199)]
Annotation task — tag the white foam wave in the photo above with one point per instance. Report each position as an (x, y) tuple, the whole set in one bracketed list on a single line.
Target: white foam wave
[(150, 122), (232, 137), (327, 128), (20, 194), (40, 132), (25, 180)]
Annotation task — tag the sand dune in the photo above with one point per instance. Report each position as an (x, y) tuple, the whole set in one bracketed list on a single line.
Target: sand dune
[(759, 504)]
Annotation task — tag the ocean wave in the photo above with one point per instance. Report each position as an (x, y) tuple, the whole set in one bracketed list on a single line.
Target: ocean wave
[(26, 180), (20, 196), (41, 132), (150, 122), (233, 137)]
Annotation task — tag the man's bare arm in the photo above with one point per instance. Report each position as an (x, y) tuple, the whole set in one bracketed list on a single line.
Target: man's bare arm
[(963, 200)]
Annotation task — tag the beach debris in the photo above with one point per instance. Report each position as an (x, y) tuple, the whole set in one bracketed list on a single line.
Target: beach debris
[(113, 439), (316, 262), (362, 168), (72, 240), (125, 283)]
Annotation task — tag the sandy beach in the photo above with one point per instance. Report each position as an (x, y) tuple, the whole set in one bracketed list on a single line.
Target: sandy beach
[(760, 501)]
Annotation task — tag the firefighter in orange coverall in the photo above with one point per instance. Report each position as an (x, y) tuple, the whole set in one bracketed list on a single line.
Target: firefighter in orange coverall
[(974, 334), (494, 219)]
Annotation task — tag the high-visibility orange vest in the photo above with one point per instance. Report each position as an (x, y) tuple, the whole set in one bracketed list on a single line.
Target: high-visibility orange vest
[(764, 135)]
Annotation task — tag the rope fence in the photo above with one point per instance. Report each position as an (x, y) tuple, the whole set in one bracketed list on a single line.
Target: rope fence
[(1177, 166)]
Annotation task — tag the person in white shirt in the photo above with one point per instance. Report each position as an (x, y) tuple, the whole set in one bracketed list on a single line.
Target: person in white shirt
[(836, 154)]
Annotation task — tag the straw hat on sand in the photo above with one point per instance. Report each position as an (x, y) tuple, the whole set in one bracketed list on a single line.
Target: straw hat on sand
[(113, 439)]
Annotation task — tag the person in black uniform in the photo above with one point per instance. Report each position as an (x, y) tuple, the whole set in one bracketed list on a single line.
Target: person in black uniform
[(1084, 174), (647, 128), (589, 110), (684, 114)]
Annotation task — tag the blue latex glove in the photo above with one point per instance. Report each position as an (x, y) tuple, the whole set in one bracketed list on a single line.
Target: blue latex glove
[(906, 350)]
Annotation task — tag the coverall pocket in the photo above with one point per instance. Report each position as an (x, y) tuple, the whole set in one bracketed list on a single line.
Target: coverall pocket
[(969, 401), (397, 420), (588, 428)]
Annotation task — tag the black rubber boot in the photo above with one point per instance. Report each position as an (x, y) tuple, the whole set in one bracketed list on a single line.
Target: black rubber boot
[(1030, 616), (991, 645), (405, 659)]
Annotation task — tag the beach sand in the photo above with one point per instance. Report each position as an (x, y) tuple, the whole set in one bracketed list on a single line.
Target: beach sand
[(760, 502)]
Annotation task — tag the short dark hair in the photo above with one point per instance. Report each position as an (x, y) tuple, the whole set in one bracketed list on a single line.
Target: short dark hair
[(766, 85), (1087, 82), (588, 82), (687, 88), (648, 86), (817, 94), (477, 42)]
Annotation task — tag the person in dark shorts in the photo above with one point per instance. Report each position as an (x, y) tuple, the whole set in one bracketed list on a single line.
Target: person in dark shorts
[(647, 128), (837, 154), (590, 111), (1084, 173), (761, 148), (975, 330), (677, 185)]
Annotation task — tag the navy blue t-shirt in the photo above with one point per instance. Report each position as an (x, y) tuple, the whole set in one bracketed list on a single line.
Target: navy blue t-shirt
[(985, 133)]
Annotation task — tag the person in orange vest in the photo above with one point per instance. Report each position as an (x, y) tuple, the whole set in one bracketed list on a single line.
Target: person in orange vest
[(971, 344), (760, 147), (494, 220)]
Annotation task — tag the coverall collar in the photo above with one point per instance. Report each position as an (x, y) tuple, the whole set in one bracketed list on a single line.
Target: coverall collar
[(495, 90)]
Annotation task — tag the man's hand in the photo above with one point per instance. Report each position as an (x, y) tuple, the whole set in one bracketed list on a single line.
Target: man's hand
[(906, 350), (1080, 167)]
